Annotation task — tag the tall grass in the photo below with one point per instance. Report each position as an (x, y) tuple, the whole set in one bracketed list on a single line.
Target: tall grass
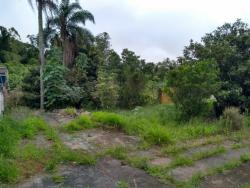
[(157, 124), (80, 123), (32, 125), (9, 137), (110, 119)]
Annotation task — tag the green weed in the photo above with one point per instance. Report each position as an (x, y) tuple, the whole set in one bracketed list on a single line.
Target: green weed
[(181, 161), (31, 152), (8, 171), (157, 135), (123, 184), (80, 123), (117, 152), (32, 125), (110, 119), (58, 179), (8, 137), (139, 162)]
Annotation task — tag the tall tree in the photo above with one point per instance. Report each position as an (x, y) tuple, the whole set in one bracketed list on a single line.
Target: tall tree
[(68, 21), (42, 5), (132, 80)]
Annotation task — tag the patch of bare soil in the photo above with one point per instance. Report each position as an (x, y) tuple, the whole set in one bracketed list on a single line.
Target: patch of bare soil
[(98, 139), (56, 119), (106, 174), (235, 178), (40, 141)]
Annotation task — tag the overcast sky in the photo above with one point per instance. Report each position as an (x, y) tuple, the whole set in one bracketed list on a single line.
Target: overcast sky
[(154, 29)]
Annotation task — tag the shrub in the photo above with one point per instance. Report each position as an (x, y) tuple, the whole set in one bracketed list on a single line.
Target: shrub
[(232, 119), (157, 135), (110, 119), (80, 123)]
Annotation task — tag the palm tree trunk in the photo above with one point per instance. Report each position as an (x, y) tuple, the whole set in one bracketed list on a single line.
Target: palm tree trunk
[(68, 53), (41, 52)]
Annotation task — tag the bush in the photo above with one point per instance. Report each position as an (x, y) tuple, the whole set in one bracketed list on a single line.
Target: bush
[(80, 123), (110, 119), (232, 119)]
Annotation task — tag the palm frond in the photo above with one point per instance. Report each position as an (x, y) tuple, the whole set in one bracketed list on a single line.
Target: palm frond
[(81, 32), (74, 6), (49, 7), (82, 17), (53, 22)]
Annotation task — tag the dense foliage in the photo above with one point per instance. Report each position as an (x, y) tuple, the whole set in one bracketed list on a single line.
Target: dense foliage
[(229, 47), (191, 85), (83, 70)]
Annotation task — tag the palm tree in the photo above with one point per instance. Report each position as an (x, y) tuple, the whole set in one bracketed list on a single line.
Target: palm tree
[(42, 5), (67, 21)]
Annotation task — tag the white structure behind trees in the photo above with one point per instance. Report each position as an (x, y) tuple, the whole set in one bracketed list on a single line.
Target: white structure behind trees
[(3, 87)]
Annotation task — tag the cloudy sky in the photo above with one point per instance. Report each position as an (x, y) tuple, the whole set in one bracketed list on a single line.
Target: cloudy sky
[(154, 29)]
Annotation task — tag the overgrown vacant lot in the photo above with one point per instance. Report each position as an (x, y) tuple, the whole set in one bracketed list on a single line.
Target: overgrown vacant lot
[(144, 147)]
